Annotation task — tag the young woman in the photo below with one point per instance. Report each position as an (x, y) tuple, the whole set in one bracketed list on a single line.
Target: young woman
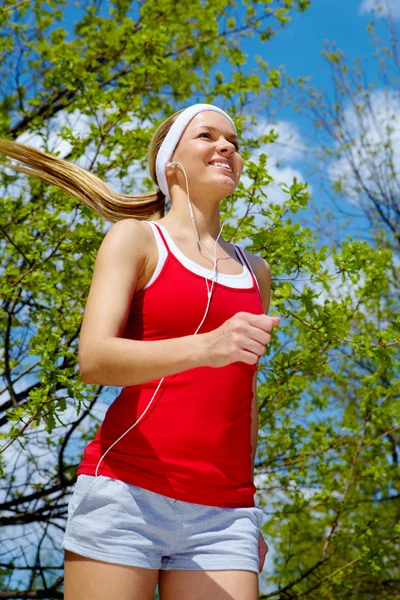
[(177, 317)]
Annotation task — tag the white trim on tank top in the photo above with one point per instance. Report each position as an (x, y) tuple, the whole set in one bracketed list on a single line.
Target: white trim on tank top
[(241, 281)]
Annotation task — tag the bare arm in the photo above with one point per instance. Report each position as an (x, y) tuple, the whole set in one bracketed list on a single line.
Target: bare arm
[(105, 357), (121, 362), (262, 271), (254, 425)]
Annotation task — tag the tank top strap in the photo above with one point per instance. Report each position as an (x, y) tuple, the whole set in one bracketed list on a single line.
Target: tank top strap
[(153, 224), (242, 254)]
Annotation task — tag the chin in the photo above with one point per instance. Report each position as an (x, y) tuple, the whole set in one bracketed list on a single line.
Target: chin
[(224, 181), (217, 186)]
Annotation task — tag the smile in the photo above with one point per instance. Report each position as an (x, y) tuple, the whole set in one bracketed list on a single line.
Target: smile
[(222, 166)]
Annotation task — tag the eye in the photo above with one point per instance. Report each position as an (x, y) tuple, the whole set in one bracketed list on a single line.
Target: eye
[(236, 144)]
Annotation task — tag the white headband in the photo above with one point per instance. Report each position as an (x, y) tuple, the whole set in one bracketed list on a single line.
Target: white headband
[(174, 135)]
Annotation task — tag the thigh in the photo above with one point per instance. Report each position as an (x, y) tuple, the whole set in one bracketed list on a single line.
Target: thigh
[(88, 579), (207, 585)]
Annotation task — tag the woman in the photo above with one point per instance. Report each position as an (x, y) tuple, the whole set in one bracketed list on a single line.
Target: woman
[(176, 316)]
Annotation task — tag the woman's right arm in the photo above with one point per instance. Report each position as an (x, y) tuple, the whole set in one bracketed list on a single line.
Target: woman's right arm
[(105, 357)]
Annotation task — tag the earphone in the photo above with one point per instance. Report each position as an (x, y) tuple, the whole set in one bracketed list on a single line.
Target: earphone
[(172, 164), (209, 294)]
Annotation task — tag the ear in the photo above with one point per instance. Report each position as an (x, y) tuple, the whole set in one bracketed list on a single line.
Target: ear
[(170, 170)]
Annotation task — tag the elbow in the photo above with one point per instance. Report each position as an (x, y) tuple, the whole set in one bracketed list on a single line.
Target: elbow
[(91, 374), (85, 375), (85, 369), (89, 359)]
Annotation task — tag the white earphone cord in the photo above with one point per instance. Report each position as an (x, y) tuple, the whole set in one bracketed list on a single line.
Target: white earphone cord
[(209, 293)]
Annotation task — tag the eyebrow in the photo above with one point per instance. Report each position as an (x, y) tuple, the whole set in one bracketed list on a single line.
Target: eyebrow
[(231, 135)]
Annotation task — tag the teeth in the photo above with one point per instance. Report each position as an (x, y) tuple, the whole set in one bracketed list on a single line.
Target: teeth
[(219, 164)]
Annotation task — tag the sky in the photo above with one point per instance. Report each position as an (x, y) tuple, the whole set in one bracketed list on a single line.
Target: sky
[(298, 48)]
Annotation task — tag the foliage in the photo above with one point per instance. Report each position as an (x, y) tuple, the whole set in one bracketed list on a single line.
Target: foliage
[(330, 400)]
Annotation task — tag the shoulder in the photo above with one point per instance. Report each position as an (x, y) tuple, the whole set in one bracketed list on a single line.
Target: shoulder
[(129, 233), (128, 227), (262, 271), (129, 239)]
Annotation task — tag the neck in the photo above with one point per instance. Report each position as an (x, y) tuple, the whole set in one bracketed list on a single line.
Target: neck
[(207, 218)]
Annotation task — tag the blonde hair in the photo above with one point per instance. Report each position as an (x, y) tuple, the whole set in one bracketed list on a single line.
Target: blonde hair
[(87, 187)]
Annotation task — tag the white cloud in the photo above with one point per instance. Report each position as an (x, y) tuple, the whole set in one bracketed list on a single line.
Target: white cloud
[(371, 134), (339, 290), (76, 121), (289, 145), (381, 8), (283, 157)]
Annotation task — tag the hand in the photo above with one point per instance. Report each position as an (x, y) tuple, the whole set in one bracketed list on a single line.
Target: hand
[(262, 550), (242, 338)]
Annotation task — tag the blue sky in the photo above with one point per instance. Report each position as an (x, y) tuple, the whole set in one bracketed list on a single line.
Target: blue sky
[(298, 47)]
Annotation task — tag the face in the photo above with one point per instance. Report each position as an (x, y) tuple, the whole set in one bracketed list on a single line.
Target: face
[(208, 150)]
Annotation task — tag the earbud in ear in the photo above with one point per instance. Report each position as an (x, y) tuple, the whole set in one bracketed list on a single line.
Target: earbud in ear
[(171, 164)]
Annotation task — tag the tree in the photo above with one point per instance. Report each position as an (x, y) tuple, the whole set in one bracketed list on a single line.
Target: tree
[(335, 485), (93, 91)]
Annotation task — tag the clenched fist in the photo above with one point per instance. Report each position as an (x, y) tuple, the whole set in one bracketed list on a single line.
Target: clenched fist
[(243, 338)]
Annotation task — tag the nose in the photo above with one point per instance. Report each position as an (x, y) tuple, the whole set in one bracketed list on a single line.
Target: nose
[(226, 147)]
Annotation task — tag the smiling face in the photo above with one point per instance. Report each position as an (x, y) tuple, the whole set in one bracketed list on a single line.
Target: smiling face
[(208, 151)]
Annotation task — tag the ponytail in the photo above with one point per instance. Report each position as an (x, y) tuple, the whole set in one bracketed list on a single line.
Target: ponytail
[(87, 187)]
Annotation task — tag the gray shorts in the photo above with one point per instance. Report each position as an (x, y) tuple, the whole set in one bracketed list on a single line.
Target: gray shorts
[(120, 523)]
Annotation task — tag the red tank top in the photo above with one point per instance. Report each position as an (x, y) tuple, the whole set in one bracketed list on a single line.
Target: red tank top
[(194, 443)]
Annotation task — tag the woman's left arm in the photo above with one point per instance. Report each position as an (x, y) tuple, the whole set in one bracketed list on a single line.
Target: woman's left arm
[(262, 271), (254, 425)]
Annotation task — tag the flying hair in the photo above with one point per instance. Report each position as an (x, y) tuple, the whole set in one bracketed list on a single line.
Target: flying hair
[(87, 187)]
